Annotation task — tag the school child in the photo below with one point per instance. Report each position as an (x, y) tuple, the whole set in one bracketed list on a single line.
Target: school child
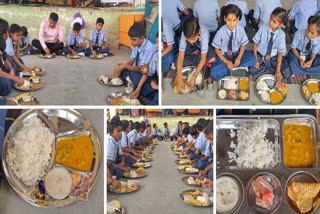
[(7, 75), (300, 13), (114, 151), (97, 40), (141, 55), (170, 13), (244, 9), (12, 49), (143, 81), (74, 44), (176, 132), (168, 52), (25, 46), (155, 131), (133, 137), (270, 46), (182, 141), (194, 50), (125, 146), (303, 58), (166, 131), (192, 139), (263, 10), (207, 159), (230, 43), (198, 149), (208, 13)]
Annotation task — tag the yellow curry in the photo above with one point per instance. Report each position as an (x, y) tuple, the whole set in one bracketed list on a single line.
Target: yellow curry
[(275, 97), (314, 87), (244, 84), (298, 148), (75, 152)]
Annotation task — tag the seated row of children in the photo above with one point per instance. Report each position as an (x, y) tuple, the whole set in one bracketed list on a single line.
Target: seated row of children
[(125, 143), (197, 143), (227, 49)]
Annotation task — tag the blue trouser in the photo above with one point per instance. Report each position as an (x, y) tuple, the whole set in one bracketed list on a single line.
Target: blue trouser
[(127, 160), (201, 164), (210, 175), (155, 100), (3, 114), (126, 73), (15, 67), (67, 51), (114, 170), (5, 86), (192, 155), (146, 90), (269, 67), (27, 50), (219, 70), (98, 50), (296, 68), (167, 60)]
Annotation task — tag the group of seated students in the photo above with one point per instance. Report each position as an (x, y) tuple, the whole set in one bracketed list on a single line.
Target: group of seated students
[(216, 38), (141, 70), (197, 143), (125, 141)]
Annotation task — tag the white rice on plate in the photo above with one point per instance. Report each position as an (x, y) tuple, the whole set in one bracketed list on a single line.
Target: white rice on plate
[(251, 148), (30, 152)]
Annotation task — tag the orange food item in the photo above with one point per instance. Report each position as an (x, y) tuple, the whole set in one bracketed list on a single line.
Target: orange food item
[(75, 152)]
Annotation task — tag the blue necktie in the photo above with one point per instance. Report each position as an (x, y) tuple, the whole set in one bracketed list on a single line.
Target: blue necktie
[(308, 45), (270, 44), (230, 43), (75, 42), (97, 40)]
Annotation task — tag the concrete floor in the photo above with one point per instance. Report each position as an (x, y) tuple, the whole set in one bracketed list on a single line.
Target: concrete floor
[(74, 82), (11, 203), (160, 190), (294, 96)]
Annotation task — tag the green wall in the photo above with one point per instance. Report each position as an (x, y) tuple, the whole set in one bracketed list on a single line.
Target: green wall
[(31, 17)]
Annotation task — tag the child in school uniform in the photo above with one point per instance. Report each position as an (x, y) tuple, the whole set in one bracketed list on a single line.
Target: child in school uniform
[(114, 151), (12, 49), (143, 81), (299, 14), (141, 56), (263, 10), (194, 50), (25, 46), (244, 9), (208, 13), (168, 52), (270, 46), (155, 131), (166, 131), (230, 43), (74, 44), (7, 75), (303, 58), (97, 40)]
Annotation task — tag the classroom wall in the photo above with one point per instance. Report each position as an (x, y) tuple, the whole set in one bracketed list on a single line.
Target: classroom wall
[(31, 17), (287, 4)]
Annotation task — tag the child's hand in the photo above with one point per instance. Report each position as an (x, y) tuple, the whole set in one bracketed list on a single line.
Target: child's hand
[(207, 183), (192, 82), (257, 66), (302, 63), (201, 174), (237, 62), (134, 94), (229, 64), (115, 183), (117, 70), (19, 80), (308, 64), (180, 86), (74, 52), (94, 53), (154, 85), (144, 69), (28, 70), (278, 75)]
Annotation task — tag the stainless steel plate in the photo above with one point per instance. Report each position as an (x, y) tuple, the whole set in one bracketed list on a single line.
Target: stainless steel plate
[(63, 123), (304, 86)]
